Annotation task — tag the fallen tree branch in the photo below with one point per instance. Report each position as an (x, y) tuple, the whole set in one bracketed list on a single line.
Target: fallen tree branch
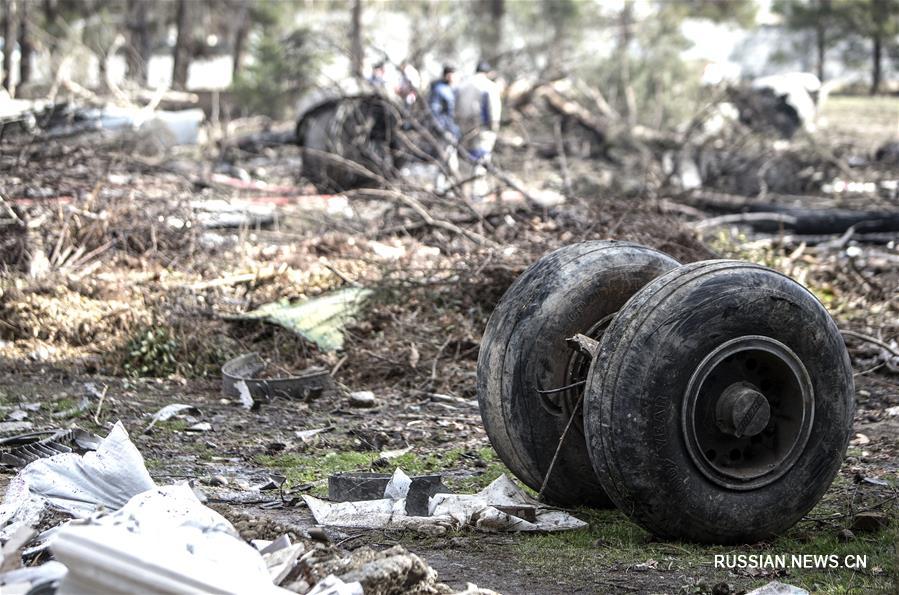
[(422, 212), (736, 219), (873, 340), (352, 166), (563, 159), (799, 220)]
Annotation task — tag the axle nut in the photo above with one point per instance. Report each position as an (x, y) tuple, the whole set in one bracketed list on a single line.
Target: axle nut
[(742, 410)]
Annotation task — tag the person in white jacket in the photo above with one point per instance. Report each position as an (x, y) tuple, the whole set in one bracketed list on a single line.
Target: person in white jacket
[(478, 111)]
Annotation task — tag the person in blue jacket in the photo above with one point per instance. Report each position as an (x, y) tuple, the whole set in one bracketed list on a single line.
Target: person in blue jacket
[(442, 101)]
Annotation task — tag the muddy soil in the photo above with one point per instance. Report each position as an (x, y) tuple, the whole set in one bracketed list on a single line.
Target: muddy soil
[(242, 445)]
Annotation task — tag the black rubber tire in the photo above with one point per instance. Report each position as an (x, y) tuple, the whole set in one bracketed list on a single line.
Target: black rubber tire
[(638, 384), (327, 130), (524, 350)]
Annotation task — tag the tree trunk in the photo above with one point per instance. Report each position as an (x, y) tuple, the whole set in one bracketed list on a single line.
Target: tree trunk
[(492, 38), (821, 42), (183, 44), (10, 34), (624, 64), (51, 13), (356, 52), (240, 40), (26, 48), (138, 55), (877, 62)]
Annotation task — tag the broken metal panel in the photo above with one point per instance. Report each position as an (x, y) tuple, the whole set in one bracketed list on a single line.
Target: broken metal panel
[(320, 319), (242, 372), (18, 451), (416, 490)]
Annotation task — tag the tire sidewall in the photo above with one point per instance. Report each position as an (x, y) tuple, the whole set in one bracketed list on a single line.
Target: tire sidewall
[(524, 351)]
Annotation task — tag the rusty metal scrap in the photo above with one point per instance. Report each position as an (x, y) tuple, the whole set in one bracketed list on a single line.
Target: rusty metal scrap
[(308, 385)]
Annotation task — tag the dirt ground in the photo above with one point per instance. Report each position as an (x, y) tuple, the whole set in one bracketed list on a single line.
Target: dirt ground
[(137, 303)]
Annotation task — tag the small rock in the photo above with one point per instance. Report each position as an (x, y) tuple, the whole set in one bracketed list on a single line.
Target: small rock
[(300, 586), (778, 588), (118, 179), (845, 535), (888, 153), (17, 415), (15, 427), (218, 480), (723, 589), (42, 353), (860, 440), (869, 522), (547, 198), (892, 411), (318, 534), (203, 426), (273, 448), (362, 398)]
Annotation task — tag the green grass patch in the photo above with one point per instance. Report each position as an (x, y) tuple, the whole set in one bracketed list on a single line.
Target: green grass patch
[(171, 425), (303, 469), (64, 404), (613, 542)]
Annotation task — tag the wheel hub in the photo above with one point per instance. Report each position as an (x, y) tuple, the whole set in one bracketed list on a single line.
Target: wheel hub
[(563, 403), (747, 412), (742, 410)]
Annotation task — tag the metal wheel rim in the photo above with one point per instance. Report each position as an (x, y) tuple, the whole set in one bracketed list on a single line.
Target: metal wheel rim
[(774, 370), (563, 403)]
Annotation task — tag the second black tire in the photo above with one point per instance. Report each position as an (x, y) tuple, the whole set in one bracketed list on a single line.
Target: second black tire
[(524, 360), (720, 404)]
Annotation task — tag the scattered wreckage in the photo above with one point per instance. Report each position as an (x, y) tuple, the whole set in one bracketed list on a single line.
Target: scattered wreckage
[(126, 534), (710, 402), (350, 132)]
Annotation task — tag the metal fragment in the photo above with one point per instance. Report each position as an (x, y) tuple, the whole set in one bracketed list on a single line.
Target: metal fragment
[(309, 384)]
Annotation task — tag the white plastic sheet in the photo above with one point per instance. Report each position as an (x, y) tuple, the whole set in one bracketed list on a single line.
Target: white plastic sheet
[(331, 585), (76, 485), (162, 541), (151, 539)]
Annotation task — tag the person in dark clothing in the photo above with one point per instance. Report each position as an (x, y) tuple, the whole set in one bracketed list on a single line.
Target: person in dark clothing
[(442, 102), (378, 73)]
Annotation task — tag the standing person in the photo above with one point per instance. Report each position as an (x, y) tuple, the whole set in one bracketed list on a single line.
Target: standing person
[(442, 103), (378, 72), (479, 107), (410, 82)]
